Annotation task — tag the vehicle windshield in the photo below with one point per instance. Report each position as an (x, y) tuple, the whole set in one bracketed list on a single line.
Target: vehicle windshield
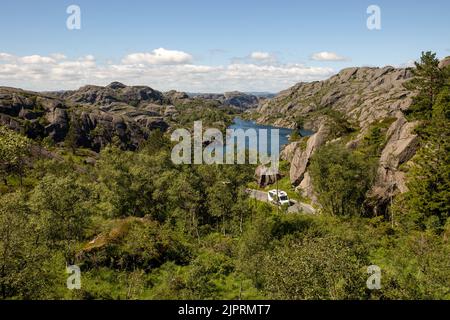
[(283, 198)]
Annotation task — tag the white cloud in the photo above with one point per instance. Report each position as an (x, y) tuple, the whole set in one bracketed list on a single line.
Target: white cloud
[(6, 56), (159, 56), (258, 55), (327, 56), (58, 72), (58, 56), (37, 59)]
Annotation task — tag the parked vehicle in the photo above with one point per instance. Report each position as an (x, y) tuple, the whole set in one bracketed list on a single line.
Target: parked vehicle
[(280, 199)]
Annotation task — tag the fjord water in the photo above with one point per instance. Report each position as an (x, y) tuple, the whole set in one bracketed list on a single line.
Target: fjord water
[(265, 144)]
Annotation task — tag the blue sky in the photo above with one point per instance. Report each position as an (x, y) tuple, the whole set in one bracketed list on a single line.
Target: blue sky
[(209, 44)]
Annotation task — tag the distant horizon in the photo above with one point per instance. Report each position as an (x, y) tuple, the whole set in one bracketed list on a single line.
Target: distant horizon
[(254, 92)]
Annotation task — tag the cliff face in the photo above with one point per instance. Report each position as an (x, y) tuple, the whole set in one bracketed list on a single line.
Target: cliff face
[(402, 144)]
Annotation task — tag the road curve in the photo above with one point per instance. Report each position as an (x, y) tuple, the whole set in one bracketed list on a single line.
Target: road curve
[(296, 207)]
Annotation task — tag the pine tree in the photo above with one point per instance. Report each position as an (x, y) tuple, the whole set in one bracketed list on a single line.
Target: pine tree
[(428, 81), (428, 200)]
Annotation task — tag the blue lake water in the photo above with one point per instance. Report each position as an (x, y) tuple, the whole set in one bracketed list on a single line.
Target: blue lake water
[(265, 144)]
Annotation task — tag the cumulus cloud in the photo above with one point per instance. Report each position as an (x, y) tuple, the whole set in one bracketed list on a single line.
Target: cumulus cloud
[(57, 72), (6, 56), (327, 56), (259, 55), (36, 59), (159, 56), (58, 56)]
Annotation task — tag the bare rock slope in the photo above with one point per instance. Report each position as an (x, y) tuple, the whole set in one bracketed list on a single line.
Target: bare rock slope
[(362, 94), (91, 117)]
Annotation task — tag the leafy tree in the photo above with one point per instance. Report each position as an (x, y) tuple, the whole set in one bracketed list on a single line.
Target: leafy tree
[(254, 242), (428, 201), (341, 179), (136, 244), (64, 209), (14, 148), (414, 266), (186, 201), (220, 202), (71, 139), (313, 268), (28, 268), (156, 141), (295, 136), (299, 123), (115, 183), (427, 82)]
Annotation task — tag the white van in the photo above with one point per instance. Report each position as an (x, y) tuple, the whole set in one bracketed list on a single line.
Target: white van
[(282, 197)]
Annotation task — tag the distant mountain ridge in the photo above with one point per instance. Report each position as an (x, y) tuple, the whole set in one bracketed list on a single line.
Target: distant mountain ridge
[(93, 115), (236, 99)]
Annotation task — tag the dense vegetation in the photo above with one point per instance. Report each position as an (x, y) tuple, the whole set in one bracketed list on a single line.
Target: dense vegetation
[(140, 227)]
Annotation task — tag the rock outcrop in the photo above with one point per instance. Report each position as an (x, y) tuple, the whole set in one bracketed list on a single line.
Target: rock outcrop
[(306, 188), (301, 157), (115, 92), (93, 115), (265, 177), (234, 99), (402, 144), (288, 151), (364, 95), (176, 96), (240, 100)]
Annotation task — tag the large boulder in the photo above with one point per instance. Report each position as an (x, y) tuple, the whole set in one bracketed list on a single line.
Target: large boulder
[(306, 188), (11, 103), (302, 156)]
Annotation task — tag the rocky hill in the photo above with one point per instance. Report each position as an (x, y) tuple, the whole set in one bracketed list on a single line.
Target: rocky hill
[(361, 94), (235, 99), (91, 116), (347, 107), (350, 107), (114, 93)]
